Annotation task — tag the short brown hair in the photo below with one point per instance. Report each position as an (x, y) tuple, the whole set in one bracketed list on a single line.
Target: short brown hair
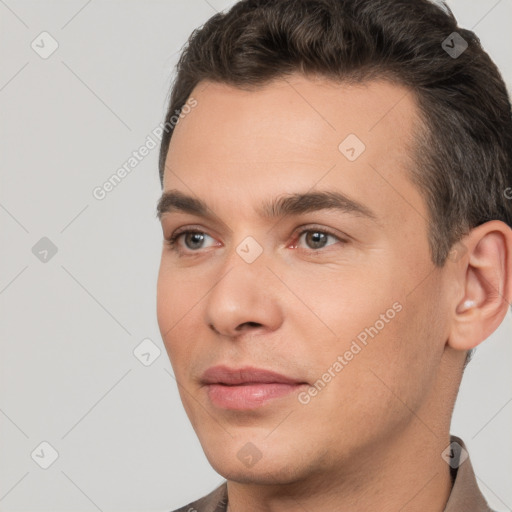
[(463, 149)]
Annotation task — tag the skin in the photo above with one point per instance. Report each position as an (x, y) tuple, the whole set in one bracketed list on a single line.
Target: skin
[(372, 438)]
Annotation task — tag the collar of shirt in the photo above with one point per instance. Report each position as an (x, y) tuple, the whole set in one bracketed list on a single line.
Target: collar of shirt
[(465, 494)]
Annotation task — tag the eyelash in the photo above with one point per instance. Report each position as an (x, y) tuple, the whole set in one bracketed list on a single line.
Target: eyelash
[(172, 241)]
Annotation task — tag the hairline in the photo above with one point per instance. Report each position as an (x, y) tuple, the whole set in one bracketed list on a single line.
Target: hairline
[(415, 147)]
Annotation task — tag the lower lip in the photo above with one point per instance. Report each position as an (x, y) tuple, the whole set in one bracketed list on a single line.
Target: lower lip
[(248, 396)]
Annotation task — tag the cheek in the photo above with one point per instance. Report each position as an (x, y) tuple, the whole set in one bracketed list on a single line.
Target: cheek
[(175, 303), (178, 292), (366, 317), (380, 374), (346, 300), (400, 359), (165, 301)]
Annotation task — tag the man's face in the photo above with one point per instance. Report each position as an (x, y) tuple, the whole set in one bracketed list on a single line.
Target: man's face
[(353, 285)]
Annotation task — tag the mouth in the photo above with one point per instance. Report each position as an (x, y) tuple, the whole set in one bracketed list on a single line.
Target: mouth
[(246, 388)]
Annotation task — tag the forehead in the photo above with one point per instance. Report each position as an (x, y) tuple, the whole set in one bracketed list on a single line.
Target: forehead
[(296, 132), (317, 111)]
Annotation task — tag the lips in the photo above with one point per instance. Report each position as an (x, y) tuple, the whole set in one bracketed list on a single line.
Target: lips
[(245, 375), (246, 388)]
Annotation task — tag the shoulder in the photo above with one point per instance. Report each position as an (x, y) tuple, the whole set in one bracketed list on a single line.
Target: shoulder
[(216, 501)]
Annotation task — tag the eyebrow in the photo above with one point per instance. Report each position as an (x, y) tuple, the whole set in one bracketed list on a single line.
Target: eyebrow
[(284, 206)]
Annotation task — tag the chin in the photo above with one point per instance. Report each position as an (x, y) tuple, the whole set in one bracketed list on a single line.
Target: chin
[(246, 465), (261, 474)]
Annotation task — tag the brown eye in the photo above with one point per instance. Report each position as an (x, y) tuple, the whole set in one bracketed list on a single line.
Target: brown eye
[(316, 239), (193, 240)]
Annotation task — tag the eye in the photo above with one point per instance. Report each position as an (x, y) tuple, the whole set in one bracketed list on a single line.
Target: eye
[(193, 240), (318, 238)]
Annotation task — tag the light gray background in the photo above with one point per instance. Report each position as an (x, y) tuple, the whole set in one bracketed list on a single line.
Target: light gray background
[(69, 326)]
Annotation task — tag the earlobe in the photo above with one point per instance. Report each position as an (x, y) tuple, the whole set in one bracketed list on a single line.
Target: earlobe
[(486, 276), (467, 328)]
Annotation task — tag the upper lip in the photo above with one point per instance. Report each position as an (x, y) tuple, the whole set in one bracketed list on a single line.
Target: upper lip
[(248, 374)]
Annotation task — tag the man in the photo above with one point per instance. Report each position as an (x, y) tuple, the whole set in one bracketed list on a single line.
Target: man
[(337, 221)]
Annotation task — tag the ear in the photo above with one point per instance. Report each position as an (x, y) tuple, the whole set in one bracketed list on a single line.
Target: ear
[(483, 275)]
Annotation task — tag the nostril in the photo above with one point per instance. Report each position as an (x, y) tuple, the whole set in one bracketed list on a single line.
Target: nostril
[(239, 328), (248, 324)]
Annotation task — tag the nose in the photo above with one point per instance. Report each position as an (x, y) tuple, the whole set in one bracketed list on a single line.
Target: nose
[(244, 299)]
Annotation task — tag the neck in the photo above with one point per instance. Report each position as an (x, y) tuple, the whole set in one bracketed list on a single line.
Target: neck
[(405, 473)]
